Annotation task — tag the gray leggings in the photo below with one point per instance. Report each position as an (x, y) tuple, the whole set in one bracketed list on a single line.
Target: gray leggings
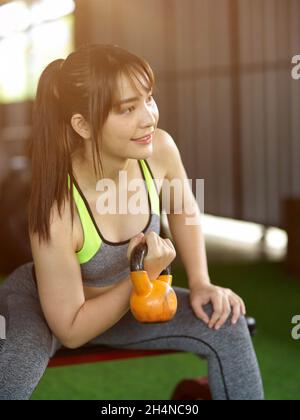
[(24, 354)]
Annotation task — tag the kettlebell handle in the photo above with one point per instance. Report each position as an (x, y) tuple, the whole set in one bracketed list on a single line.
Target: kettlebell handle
[(137, 259)]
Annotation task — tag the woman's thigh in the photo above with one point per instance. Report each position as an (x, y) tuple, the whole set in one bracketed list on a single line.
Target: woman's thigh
[(185, 331)]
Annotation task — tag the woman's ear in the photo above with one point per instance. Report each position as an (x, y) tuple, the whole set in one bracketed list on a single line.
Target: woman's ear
[(81, 126)]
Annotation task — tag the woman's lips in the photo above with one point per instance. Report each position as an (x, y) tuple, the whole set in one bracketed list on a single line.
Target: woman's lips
[(144, 140)]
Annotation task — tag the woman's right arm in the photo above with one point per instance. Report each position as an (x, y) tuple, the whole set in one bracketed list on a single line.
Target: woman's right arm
[(99, 314), (73, 320)]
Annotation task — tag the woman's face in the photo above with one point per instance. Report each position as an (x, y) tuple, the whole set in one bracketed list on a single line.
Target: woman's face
[(130, 120)]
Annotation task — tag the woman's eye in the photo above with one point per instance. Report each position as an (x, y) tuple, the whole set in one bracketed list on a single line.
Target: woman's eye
[(150, 99), (128, 109)]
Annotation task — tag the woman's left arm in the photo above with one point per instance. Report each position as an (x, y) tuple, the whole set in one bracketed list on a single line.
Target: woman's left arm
[(190, 243)]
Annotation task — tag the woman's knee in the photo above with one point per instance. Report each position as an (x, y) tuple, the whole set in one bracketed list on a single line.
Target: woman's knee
[(228, 335), (240, 328), (26, 328), (186, 313), (26, 350)]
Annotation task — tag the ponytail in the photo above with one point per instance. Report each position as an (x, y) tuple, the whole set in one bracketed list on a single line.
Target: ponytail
[(49, 153)]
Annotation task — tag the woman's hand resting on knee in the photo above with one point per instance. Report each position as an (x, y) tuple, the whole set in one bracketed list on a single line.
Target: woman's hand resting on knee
[(223, 301)]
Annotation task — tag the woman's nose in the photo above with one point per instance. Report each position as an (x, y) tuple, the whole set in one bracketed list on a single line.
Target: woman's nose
[(148, 117)]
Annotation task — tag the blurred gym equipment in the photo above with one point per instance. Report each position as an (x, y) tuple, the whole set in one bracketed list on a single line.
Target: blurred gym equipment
[(14, 194)]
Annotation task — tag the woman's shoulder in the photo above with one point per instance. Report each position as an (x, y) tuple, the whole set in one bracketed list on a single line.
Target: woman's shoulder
[(163, 146), (61, 231)]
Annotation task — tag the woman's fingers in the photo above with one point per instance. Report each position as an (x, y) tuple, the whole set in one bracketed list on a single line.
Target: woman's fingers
[(223, 307), (201, 314), (244, 311), (241, 303), (225, 314), (133, 243), (236, 309), (169, 243), (217, 302)]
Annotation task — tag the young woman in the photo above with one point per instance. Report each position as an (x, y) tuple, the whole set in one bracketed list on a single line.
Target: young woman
[(90, 109)]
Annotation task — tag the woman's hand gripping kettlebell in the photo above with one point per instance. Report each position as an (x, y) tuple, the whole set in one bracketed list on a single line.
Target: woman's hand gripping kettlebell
[(152, 299), (160, 254)]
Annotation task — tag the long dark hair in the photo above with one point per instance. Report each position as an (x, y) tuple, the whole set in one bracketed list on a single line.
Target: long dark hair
[(84, 83)]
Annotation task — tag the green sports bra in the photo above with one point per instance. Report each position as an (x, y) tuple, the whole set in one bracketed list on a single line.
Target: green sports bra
[(92, 236)]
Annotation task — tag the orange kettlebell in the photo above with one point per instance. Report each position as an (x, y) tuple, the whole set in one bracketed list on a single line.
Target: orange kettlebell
[(150, 301)]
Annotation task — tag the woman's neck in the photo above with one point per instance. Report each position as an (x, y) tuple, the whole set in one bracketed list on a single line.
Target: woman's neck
[(84, 171)]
